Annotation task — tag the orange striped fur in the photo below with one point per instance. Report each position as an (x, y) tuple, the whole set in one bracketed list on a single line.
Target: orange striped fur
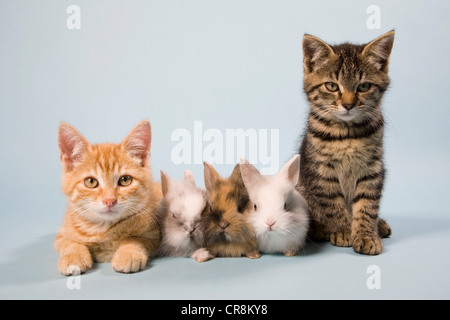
[(110, 222)]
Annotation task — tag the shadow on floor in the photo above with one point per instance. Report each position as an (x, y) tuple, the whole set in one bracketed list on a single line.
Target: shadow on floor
[(33, 263), (406, 227), (37, 261)]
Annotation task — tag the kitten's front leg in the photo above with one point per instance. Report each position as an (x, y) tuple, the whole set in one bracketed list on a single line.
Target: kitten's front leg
[(330, 216), (131, 256), (75, 257), (365, 235), (332, 211)]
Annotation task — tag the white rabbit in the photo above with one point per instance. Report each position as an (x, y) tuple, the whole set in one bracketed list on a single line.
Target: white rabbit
[(180, 214), (279, 213)]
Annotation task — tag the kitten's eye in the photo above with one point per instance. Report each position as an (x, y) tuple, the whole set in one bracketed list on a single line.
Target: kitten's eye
[(331, 86), (125, 180), (363, 87), (255, 207), (91, 182)]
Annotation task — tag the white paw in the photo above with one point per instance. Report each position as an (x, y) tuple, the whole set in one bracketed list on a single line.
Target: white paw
[(202, 255)]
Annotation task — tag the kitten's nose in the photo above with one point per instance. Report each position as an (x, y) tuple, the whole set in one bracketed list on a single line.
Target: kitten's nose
[(109, 202), (348, 100), (348, 106)]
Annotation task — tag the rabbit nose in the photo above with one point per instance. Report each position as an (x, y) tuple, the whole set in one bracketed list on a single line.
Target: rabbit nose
[(270, 224), (224, 224), (189, 229)]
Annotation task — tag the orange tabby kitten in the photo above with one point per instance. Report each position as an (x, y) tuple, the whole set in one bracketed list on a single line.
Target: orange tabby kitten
[(112, 202)]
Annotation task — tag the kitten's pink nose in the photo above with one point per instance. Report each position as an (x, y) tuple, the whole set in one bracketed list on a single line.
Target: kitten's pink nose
[(109, 202), (348, 106)]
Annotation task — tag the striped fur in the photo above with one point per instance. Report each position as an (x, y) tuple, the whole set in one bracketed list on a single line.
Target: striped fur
[(129, 232), (341, 168)]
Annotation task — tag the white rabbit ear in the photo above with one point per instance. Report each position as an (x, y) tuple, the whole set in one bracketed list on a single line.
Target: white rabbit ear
[(250, 176), (291, 169), (189, 177), (165, 182)]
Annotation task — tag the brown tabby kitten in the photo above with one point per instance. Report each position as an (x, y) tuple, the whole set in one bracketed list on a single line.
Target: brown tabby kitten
[(341, 167)]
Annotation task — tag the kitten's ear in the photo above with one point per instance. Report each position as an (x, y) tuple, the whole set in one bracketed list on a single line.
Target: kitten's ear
[(137, 143), (72, 146), (379, 50), (189, 177), (210, 175), (250, 176), (290, 170), (315, 53), (165, 180)]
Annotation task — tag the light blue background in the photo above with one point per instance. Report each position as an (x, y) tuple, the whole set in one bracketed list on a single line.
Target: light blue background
[(230, 64)]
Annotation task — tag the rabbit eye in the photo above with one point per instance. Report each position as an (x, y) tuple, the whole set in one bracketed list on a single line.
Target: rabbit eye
[(285, 206), (206, 210), (255, 207), (242, 203)]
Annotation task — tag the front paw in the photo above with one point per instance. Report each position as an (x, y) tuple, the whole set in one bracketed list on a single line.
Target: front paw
[(128, 260), (253, 254), (367, 244), (202, 255), (290, 253), (341, 238), (74, 264)]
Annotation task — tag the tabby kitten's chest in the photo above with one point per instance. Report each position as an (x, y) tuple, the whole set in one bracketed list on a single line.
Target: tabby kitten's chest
[(347, 156)]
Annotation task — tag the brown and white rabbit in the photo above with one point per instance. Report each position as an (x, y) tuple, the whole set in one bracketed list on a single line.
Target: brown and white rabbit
[(180, 213), (226, 229), (279, 213)]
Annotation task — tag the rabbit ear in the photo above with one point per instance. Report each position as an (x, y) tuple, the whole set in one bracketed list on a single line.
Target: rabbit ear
[(165, 181), (210, 175), (290, 170), (236, 174), (189, 177), (243, 161), (250, 176)]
